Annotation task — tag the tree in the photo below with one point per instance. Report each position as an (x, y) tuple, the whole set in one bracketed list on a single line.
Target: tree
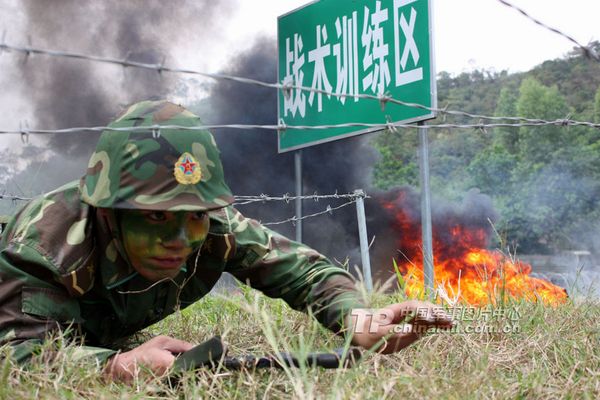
[(398, 162), (492, 169), (538, 144), (597, 106), (507, 137)]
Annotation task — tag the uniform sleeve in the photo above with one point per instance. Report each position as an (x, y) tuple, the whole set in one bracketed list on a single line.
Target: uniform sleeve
[(33, 306), (289, 270)]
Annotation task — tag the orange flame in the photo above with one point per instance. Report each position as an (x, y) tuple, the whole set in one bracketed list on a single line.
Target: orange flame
[(464, 268)]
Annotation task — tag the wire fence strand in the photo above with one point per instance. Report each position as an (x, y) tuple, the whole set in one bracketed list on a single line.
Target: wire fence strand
[(382, 98), (587, 50), (14, 198), (243, 200), (282, 127), (294, 219), (159, 68)]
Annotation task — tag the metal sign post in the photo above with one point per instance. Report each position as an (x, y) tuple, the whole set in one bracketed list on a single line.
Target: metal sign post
[(426, 234), (364, 242), (298, 170)]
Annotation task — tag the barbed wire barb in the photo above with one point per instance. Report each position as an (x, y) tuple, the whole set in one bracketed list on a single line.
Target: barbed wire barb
[(14, 198), (294, 219), (390, 125), (24, 131), (2, 42), (383, 100), (160, 67)]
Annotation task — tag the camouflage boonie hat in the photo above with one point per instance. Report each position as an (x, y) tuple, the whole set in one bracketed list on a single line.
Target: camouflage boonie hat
[(160, 169)]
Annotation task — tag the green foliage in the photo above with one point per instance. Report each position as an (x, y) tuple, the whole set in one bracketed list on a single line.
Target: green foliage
[(576, 77), (548, 193), (450, 154), (507, 137), (543, 179), (490, 170), (597, 106), (398, 165), (538, 144)]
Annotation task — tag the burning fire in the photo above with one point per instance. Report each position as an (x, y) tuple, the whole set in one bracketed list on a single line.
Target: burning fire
[(463, 268)]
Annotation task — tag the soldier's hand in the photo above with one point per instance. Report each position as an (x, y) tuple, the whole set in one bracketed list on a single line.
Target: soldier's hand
[(392, 328), (156, 355)]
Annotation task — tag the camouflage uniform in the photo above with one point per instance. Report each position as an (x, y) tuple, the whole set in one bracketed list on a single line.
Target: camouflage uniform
[(62, 262)]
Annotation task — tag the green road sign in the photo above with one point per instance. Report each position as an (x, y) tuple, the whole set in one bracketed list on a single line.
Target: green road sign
[(352, 47)]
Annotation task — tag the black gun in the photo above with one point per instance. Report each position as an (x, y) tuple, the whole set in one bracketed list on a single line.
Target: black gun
[(212, 354)]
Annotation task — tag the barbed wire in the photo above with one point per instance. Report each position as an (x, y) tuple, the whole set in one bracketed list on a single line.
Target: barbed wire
[(14, 198), (294, 219), (282, 127), (264, 198), (587, 50), (383, 98), (159, 68), (243, 200)]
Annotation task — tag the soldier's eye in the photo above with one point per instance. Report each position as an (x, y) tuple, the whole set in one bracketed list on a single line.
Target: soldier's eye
[(156, 216), (200, 215)]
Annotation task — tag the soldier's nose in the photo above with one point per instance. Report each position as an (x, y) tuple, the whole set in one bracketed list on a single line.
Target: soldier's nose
[(177, 240)]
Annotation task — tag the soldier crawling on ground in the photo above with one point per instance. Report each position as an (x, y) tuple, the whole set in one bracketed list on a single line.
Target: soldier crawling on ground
[(150, 228)]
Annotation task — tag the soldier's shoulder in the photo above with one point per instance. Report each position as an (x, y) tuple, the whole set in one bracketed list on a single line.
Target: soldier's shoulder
[(57, 226), (220, 220), (231, 220)]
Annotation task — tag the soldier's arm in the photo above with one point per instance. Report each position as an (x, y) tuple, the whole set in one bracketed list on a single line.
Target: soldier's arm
[(285, 269), (33, 306)]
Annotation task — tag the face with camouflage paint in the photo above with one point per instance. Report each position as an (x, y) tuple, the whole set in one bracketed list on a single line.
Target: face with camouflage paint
[(158, 243)]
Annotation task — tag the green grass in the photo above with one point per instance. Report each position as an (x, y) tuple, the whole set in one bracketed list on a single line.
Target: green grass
[(555, 354)]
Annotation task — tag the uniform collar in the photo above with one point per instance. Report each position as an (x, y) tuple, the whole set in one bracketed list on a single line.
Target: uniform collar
[(114, 267)]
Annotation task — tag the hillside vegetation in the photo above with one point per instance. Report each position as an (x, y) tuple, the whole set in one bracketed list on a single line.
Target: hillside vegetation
[(544, 181)]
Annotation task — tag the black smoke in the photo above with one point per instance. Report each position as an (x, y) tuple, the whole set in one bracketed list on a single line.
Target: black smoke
[(66, 93), (253, 166), (70, 93)]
